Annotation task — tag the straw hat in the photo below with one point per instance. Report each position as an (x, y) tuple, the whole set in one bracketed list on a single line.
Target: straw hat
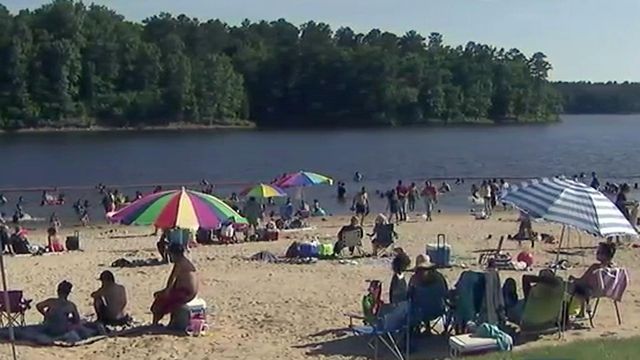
[(423, 262)]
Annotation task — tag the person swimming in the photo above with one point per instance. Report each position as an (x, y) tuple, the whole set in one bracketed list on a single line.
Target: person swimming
[(357, 177)]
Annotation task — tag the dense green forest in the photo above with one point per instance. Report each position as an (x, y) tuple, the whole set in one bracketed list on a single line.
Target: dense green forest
[(600, 98), (70, 64)]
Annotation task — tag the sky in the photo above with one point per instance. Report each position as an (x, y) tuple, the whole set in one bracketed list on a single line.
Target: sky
[(594, 40)]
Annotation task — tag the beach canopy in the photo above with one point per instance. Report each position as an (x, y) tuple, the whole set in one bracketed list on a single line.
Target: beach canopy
[(569, 203), (183, 209), (263, 191), (302, 178)]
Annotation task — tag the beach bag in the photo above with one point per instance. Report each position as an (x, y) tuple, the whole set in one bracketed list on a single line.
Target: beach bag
[(325, 250), (73, 242)]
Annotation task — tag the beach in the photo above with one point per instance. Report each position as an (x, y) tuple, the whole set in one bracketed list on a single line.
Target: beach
[(278, 311)]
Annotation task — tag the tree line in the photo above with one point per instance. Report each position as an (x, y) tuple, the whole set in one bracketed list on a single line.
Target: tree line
[(600, 98), (69, 64)]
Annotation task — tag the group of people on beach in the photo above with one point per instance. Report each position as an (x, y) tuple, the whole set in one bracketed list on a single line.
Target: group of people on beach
[(110, 299), (401, 200)]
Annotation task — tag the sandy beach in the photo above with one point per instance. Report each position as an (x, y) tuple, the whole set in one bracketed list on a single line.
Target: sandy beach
[(277, 311)]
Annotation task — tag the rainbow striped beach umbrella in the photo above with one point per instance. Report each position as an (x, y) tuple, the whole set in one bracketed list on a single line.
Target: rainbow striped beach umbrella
[(263, 191), (183, 209), (303, 178)]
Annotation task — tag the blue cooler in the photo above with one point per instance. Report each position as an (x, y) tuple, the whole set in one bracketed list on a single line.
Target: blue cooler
[(309, 250), (440, 252)]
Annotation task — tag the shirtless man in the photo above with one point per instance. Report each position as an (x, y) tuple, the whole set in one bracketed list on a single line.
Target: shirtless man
[(361, 204), (60, 314), (182, 285), (110, 300)]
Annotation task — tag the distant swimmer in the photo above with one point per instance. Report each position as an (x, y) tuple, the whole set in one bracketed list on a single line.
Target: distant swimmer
[(357, 177), (342, 191), (3, 199)]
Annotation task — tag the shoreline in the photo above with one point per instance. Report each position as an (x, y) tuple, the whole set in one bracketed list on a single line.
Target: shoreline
[(171, 127)]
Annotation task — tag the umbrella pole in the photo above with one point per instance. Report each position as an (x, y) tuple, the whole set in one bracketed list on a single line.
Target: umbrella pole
[(560, 244), (12, 336)]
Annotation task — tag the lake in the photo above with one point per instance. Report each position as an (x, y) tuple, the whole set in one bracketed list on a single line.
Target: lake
[(580, 143)]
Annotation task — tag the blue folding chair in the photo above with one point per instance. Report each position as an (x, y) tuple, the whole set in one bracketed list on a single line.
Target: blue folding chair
[(389, 330)]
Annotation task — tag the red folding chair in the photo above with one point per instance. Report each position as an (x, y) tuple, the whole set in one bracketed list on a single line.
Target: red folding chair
[(14, 313)]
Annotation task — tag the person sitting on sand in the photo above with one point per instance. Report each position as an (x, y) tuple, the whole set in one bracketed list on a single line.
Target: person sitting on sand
[(60, 314), (110, 300), (303, 211), (286, 211), (182, 285), (317, 210), (53, 240), (19, 242)]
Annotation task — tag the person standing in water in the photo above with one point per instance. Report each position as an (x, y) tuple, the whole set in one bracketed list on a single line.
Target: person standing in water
[(401, 193), (342, 191), (361, 204)]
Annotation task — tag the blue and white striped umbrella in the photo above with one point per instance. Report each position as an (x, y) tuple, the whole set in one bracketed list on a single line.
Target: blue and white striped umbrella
[(569, 203)]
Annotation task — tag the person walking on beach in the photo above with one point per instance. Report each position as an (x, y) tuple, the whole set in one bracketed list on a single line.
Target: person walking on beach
[(485, 195), (393, 205), (402, 192), (430, 196), (595, 183), (361, 204), (182, 285), (413, 195)]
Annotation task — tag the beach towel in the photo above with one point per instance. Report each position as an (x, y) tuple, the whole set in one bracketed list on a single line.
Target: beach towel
[(611, 283), (505, 342), (494, 301)]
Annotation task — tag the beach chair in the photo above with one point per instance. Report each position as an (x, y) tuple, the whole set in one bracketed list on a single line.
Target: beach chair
[(428, 305), (13, 313), (385, 238), (543, 309), (389, 330), (612, 290), (353, 240)]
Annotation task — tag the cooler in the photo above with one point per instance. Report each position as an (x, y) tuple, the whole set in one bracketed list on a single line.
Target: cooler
[(440, 252), (195, 309), (467, 343)]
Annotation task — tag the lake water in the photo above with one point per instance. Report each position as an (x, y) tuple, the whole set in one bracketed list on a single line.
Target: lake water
[(604, 143)]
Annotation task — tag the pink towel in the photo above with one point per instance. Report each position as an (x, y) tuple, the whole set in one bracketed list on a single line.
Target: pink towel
[(611, 282)]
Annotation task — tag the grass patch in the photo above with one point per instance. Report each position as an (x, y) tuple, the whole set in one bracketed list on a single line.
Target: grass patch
[(601, 349)]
